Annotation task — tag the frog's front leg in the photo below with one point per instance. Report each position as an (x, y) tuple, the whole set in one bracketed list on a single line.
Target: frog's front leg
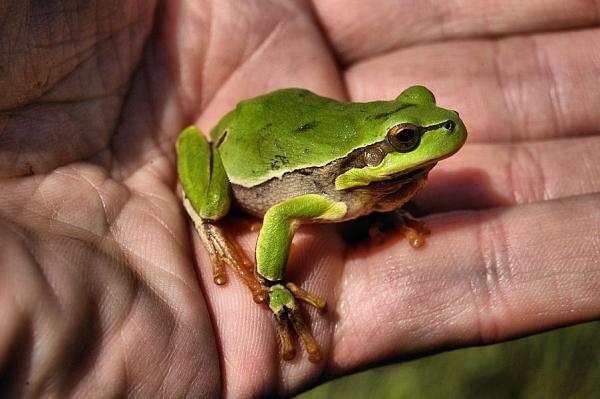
[(207, 199), (272, 249)]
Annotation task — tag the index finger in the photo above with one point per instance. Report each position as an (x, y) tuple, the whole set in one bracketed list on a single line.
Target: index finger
[(366, 28), (524, 88), (486, 276)]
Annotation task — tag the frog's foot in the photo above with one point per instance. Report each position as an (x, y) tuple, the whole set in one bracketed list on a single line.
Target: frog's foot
[(225, 252), (282, 303), (412, 228), (415, 238)]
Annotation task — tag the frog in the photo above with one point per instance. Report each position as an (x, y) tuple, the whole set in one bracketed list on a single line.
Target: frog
[(292, 157)]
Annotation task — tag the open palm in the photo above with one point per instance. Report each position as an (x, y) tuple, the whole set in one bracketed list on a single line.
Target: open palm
[(105, 288)]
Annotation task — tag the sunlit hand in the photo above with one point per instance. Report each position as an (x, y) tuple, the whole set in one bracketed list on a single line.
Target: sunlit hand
[(104, 287)]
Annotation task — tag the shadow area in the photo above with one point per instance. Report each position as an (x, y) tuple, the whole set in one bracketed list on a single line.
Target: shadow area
[(446, 192), (16, 368)]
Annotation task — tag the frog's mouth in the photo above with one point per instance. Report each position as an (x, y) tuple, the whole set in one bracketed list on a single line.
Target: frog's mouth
[(395, 181), (412, 174)]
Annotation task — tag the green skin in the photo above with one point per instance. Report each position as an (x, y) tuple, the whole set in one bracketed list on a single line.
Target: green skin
[(288, 130)]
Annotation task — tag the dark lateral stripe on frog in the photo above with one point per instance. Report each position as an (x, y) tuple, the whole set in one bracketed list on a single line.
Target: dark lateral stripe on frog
[(338, 166), (318, 180)]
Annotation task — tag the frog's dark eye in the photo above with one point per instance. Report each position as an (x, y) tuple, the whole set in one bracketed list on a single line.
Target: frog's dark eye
[(449, 125), (404, 137)]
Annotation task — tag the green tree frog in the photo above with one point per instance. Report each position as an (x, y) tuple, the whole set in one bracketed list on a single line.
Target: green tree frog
[(293, 157)]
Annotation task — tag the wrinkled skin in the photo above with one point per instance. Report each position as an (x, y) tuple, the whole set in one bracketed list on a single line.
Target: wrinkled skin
[(105, 288)]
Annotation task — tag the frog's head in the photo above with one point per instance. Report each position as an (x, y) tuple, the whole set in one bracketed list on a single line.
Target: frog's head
[(414, 138)]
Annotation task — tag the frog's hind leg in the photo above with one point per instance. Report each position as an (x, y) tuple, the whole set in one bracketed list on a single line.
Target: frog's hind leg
[(207, 198), (272, 248), (224, 252)]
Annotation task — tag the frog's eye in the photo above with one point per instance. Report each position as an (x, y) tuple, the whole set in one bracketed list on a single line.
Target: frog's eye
[(404, 137), (449, 125)]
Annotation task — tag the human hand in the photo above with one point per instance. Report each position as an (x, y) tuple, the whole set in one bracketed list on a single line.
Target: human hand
[(98, 284)]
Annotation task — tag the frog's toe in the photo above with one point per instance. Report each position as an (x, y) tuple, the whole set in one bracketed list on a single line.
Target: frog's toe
[(412, 228), (219, 274), (283, 304), (288, 349), (415, 238), (314, 355), (307, 297)]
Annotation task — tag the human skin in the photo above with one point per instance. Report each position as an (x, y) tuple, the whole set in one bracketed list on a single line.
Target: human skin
[(106, 290)]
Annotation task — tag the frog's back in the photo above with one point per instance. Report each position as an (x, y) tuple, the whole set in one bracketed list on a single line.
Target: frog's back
[(291, 129)]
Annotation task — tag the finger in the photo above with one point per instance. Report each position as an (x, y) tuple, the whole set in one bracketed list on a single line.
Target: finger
[(247, 332), (491, 175), (363, 29), (486, 276), (520, 88), (228, 52), (208, 56)]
